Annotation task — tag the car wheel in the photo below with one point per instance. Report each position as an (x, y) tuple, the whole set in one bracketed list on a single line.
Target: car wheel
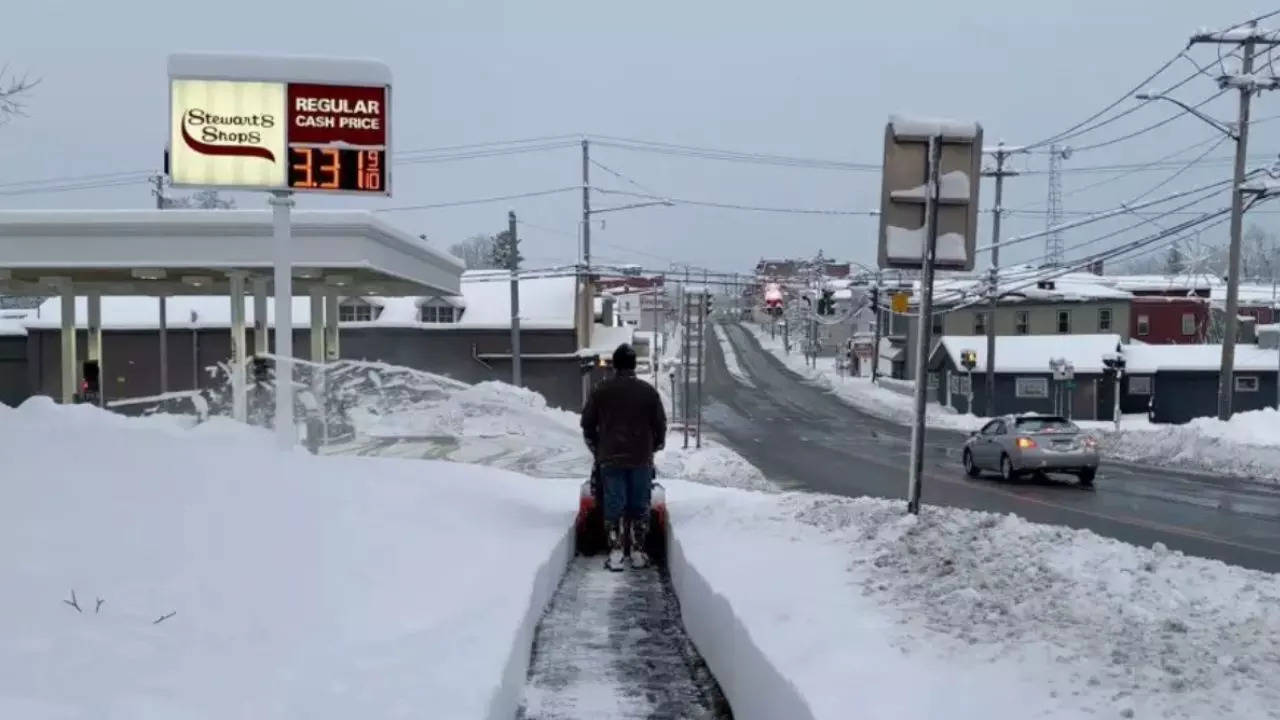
[(970, 468), (1087, 475), (1006, 469)]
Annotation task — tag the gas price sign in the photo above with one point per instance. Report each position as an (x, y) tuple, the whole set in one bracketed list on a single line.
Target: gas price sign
[(303, 137)]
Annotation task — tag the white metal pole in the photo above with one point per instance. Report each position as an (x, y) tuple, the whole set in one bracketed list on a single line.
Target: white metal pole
[(286, 434), (93, 340), (332, 338), (239, 401), (68, 341)]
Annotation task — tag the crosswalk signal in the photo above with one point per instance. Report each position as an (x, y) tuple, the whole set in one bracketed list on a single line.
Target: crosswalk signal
[(91, 384)]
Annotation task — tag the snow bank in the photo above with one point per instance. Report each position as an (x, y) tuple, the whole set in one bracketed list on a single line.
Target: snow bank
[(812, 606), (1247, 445), (503, 426), (291, 585), (731, 357), (894, 404)]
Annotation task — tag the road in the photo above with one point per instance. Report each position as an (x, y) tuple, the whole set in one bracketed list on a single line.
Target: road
[(805, 438)]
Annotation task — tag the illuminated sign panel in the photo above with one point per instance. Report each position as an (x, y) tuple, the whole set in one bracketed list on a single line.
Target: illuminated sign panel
[(305, 137)]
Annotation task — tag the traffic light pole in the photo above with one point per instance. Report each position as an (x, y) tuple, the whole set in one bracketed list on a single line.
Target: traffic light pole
[(924, 328), (875, 348)]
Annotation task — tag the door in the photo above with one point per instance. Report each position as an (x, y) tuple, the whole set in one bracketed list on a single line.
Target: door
[(986, 449), (1084, 400)]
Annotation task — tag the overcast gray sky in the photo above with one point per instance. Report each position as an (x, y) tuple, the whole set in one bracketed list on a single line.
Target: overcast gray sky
[(801, 77)]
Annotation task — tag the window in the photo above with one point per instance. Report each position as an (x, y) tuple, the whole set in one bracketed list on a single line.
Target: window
[(1246, 383), (979, 323), (1188, 323), (959, 384), (437, 314), (1045, 423), (1144, 325), (1064, 322), (1104, 320), (1139, 385), (1022, 324), (995, 427), (1031, 387), (357, 310)]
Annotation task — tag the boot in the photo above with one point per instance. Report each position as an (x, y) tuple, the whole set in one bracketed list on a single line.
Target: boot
[(615, 559), (639, 541)]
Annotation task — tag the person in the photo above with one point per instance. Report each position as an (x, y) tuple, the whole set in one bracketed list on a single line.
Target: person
[(624, 424)]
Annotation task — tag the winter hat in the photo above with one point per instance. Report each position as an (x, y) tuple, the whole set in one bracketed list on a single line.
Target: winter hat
[(624, 358)]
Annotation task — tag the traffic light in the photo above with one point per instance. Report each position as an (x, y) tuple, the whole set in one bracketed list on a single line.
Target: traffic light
[(708, 296), (969, 359), (827, 304)]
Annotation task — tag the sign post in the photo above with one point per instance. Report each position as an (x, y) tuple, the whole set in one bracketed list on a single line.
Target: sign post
[(969, 359), (281, 125), (928, 220)]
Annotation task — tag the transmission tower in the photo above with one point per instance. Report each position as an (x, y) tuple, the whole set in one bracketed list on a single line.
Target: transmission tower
[(1053, 218)]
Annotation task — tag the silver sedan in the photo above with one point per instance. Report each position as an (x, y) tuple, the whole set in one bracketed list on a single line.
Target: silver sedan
[(1019, 444)]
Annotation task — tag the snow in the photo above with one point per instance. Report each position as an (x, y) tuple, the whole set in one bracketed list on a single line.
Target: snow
[(408, 413), (1142, 358), (1031, 353), (906, 245), (955, 186), (850, 603), (300, 586), (877, 399), (1247, 445), (279, 68), (915, 126), (731, 357), (545, 302)]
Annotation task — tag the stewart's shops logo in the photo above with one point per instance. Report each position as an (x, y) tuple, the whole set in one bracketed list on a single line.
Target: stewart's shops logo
[(238, 135)]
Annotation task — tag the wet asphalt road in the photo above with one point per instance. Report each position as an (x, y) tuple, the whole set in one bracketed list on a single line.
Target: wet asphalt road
[(805, 438)]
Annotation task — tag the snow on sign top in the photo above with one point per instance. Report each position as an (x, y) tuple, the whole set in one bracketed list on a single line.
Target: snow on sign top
[(905, 126), (282, 68)]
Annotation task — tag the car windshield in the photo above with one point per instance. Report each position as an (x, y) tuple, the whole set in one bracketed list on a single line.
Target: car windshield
[(1046, 425)]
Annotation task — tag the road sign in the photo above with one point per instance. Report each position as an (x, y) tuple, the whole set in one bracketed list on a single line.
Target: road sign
[(283, 124), (905, 193), (969, 359), (900, 302)]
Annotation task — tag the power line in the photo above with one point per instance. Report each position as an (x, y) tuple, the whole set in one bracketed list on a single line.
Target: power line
[(620, 176), (736, 206), (729, 155), (1149, 128), (481, 201)]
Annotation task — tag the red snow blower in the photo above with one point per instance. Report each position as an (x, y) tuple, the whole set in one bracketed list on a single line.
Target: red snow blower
[(589, 530)]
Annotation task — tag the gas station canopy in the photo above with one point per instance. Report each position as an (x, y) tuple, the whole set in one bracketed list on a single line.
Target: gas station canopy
[(193, 252)]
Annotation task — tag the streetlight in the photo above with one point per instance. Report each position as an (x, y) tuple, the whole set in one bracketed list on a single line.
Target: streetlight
[(1227, 129)]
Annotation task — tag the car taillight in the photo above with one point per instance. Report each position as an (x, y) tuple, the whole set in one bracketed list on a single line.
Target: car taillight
[(1026, 442), (1090, 442)]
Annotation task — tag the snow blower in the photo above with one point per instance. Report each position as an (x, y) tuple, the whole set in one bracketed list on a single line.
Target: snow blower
[(589, 531)]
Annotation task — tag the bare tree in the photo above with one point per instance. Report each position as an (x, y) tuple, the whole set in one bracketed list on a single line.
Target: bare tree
[(14, 90), (202, 200), (476, 252)]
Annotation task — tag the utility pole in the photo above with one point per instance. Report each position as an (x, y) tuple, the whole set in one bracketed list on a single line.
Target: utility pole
[(158, 179), (587, 300), (875, 348), (702, 339), (684, 363), (513, 263), (1000, 173), (1247, 85)]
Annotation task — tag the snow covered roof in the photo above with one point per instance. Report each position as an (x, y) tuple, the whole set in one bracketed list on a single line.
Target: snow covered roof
[(279, 68), (12, 322), (545, 302), (105, 250), (606, 338), (1141, 358), (1023, 285), (187, 311), (1031, 353)]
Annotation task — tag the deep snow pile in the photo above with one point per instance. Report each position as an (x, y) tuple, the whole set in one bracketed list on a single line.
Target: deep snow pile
[(830, 604), (1248, 444), (504, 426), (289, 585)]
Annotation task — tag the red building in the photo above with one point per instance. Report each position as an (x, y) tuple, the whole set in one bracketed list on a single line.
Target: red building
[(1163, 320)]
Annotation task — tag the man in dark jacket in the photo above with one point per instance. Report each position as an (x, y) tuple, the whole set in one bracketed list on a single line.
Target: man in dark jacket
[(624, 425)]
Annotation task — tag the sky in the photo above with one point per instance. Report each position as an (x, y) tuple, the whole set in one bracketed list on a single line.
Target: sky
[(801, 78)]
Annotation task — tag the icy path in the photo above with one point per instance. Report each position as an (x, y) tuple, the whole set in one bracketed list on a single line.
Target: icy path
[(611, 645)]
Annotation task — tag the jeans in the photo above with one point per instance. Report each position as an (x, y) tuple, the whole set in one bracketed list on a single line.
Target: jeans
[(626, 492)]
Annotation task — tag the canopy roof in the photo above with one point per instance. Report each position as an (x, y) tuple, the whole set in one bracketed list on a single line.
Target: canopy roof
[(190, 252)]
